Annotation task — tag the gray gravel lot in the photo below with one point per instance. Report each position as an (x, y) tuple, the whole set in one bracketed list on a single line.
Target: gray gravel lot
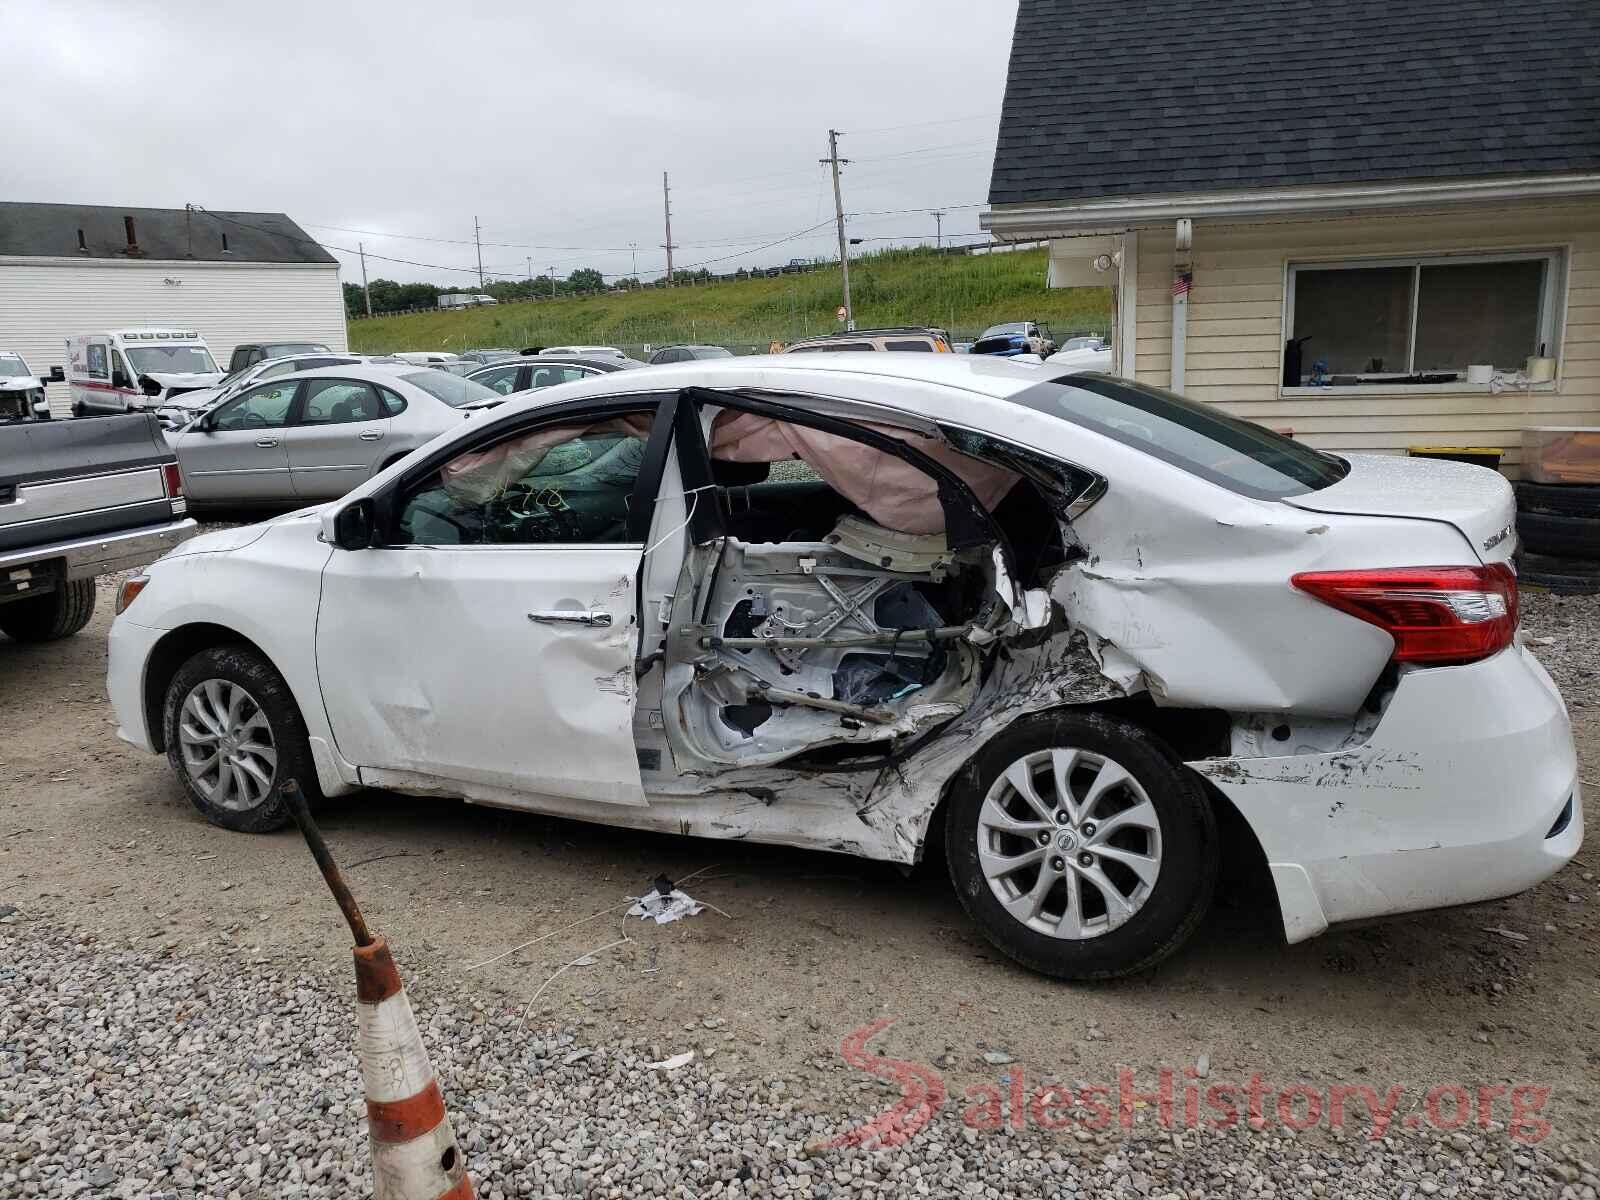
[(135, 1074)]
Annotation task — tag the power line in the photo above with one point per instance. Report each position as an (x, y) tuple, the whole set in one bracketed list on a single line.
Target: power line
[(922, 124)]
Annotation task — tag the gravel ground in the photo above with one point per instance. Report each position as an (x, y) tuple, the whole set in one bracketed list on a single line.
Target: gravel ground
[(138, 1074)]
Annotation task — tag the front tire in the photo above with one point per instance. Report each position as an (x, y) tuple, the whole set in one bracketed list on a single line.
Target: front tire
[(1082, 846), (50, 617), (234, 734)]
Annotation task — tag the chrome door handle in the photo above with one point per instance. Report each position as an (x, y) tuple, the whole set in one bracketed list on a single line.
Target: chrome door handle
[(266, 443), (371, 435), (571, 616)]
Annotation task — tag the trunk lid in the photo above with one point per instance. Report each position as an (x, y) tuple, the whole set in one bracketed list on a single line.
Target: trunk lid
[(1477, 501)]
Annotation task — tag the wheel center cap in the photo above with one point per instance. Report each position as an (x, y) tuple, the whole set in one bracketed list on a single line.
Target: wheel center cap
[(1065, 841)]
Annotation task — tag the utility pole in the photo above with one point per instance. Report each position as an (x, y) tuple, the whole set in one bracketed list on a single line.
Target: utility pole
[(361, 249), (938, 227), (476, 238), (666, 204), (552, 281), (838, 212), (634, 246)]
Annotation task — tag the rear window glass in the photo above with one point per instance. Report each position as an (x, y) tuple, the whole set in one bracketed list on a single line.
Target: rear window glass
[(452, 389), (1197, 438)]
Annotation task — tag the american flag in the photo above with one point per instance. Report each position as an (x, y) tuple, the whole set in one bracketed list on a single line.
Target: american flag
[(1180, 285)]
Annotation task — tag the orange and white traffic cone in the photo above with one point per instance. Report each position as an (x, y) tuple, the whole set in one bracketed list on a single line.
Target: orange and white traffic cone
[(414, 1151)]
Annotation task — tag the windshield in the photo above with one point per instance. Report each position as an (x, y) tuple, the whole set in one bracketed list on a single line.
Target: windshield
[(1008, 327), (12, 367), (712, 352), (452, 389), (1197, 438), (284, 349), (1082, 343), (160, 360)]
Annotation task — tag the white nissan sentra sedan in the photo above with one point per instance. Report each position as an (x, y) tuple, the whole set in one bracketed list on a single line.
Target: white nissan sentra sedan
[(1079, 622)]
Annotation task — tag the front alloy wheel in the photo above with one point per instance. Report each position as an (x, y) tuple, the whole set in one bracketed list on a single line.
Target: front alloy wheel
[(234, 734), (1081, 845), (227, 745)]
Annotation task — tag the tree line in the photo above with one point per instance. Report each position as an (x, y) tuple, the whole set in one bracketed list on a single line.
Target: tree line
[(391, 297)]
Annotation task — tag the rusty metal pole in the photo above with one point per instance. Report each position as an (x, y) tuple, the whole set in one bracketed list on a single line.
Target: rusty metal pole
[(295, 799)]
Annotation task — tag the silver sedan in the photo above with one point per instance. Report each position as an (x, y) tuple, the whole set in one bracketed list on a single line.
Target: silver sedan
[(314, 435)]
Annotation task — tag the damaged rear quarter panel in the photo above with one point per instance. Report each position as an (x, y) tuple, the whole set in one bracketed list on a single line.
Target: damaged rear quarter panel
[(1185, 591)]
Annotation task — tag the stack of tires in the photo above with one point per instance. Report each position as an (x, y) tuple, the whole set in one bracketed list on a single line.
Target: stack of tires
[(1558, 525)]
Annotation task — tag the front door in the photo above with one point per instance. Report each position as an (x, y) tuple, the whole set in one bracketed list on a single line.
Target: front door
[(236, 454), (337, 440), (492, 641)]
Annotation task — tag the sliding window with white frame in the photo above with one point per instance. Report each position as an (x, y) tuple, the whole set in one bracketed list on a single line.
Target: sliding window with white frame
[(1420, 321)]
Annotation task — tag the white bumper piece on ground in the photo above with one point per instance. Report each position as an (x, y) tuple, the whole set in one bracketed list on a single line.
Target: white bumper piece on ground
[(1467, 791)]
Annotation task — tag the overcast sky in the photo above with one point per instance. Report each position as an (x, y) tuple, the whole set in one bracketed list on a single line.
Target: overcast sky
[(551, 122)]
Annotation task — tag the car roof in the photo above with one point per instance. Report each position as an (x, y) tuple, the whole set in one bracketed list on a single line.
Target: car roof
[(602, 361), (372, 372), (996, 378)]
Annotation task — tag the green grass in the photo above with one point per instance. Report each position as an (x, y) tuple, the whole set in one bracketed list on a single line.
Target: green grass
[(963, 293)]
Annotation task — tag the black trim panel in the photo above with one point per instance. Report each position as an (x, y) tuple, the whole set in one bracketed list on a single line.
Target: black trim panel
[(50, 530), (36, 451)]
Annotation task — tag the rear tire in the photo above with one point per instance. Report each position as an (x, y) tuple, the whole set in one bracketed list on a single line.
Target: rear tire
[(1559, 536), (1564, 576), (234, 734), (1560, 499), (49, 617), (1132, 852)]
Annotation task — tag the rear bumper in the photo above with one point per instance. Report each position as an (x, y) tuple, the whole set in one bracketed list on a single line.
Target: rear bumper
[(1467, 791), (84, 558)]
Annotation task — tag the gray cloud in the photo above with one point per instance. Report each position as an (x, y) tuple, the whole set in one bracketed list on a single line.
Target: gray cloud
[(551, 123)]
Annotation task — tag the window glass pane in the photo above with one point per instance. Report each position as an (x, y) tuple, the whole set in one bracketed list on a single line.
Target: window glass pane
[(501, 379), (831, 347), (176, 359), (338, 402), (1358, 320), (908, 344), (1197, 438), (264, 408), (452, 389), (95, 360), (395, 402), (544, 377), (1478, 313), (570, 484)]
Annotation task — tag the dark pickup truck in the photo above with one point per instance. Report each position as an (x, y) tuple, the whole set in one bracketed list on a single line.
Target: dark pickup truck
[(79, 499)]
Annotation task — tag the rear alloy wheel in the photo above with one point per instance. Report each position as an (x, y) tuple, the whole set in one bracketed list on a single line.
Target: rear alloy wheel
[(1083, 847), (234, 735)]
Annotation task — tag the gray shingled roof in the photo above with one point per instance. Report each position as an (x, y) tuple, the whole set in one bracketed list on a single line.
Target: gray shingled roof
[(163, 233), (1146, 97)]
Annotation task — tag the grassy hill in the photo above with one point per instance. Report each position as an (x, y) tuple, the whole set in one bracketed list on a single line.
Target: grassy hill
[(963, 293)]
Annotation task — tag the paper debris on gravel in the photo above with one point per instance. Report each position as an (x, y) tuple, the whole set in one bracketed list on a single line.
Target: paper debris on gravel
[(673, 1063), (663, 909), (664, 903), (1511, 935)]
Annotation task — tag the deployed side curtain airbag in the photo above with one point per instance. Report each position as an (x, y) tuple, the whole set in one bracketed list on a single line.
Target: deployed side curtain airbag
[(479, 476), (888, 489)]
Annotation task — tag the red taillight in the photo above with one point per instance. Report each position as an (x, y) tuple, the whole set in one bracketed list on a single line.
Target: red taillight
[(172, 480), (1434, 614)]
